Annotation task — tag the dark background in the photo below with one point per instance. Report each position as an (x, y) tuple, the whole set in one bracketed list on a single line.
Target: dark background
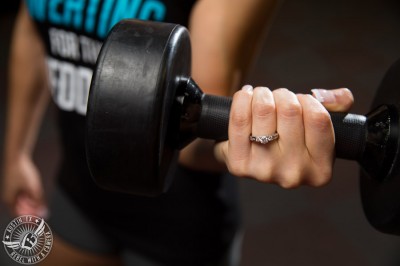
[(312, 43)]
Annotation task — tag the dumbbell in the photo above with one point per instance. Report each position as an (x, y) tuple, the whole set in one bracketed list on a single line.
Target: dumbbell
[(144, 107)]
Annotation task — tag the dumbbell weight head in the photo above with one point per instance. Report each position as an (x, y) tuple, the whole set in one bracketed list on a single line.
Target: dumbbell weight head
[(381, 196), (128, 142)]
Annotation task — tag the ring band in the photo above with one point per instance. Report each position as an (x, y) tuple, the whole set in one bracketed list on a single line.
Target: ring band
[(264, 139)]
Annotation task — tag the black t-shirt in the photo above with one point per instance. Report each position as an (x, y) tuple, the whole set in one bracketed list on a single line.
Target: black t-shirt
[(198, 216)]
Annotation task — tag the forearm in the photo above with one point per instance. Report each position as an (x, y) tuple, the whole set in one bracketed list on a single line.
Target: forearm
[(27, 93), (226, 37)]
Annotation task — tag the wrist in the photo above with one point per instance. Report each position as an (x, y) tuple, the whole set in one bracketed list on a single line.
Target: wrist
[(12, 158)]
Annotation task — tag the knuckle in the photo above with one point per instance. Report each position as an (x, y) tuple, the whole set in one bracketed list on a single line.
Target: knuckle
[(263, 175), (348, 102), (240, 116), (289, 178), (322, 178), (318, 182), (263, 109), (290, 183), (237, 168), (320, 119), (239, 119), (291, 109), (281, 90)]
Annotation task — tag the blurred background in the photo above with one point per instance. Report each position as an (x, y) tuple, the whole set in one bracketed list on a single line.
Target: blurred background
[(312, 43)]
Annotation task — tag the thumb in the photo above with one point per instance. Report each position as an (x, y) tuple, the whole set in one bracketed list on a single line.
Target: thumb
[(337, 100), (220, 151)]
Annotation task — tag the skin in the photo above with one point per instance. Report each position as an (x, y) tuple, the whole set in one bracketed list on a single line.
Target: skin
[(304, 152), (226, 36), (28, 96)]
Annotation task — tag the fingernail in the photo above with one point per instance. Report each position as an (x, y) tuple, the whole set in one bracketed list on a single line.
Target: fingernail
[(324, 96), (248, 88), (340, 91)]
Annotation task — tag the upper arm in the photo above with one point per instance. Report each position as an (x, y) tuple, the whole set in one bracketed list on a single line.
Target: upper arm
[(225, 36), (25, 32), (27, 49)]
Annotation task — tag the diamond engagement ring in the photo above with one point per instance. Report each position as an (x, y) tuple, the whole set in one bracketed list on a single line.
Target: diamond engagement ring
[(264, 139)]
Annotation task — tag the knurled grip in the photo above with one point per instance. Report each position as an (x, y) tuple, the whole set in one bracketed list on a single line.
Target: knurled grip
[(214, 118), (350, 129), (350, 135)]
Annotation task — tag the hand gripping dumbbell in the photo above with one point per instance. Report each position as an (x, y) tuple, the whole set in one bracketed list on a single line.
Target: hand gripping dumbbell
[(143, 108)]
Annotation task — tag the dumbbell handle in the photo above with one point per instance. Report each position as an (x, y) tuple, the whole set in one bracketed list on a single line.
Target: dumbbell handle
[(350, 129)]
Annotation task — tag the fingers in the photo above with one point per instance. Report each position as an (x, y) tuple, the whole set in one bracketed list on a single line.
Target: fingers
[(289, 121), (32, 199), (319, 138), (338, 100), (236, 152), (26, 205), (303, 153), (23, 188), (263, 112)]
